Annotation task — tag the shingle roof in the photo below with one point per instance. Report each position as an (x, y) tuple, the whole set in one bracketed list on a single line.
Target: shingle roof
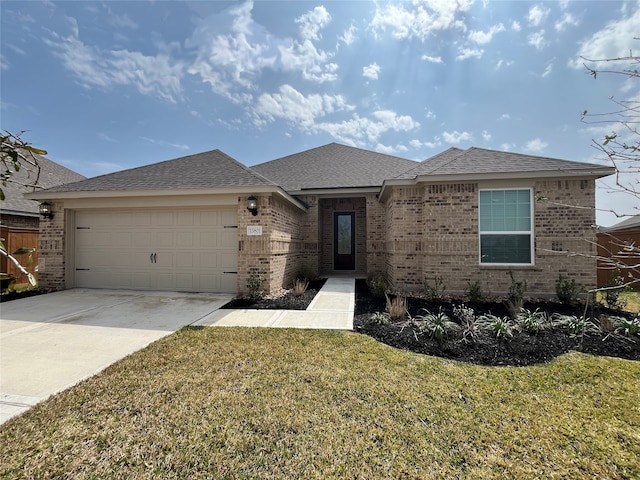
[(333, 166), (51, 174), (213, 169), (482, 161), (631, 222)]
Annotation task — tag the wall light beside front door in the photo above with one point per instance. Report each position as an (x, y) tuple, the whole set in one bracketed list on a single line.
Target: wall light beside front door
[(252, 205)]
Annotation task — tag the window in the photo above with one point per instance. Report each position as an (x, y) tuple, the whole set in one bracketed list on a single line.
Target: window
[(506, 236)]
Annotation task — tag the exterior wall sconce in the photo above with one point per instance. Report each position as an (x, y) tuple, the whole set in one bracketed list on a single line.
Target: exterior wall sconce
[(45, 210), (252, 205)]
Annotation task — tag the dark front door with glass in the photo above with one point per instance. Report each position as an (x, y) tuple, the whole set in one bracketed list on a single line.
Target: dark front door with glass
[(344, 241)]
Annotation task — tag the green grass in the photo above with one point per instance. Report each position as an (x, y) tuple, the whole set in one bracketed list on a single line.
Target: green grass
[(272, 403)]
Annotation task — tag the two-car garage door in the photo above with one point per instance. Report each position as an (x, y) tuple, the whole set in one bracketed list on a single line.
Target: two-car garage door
[(192, 250)]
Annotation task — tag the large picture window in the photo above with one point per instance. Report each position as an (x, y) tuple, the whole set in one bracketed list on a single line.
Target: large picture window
[(506, 232)]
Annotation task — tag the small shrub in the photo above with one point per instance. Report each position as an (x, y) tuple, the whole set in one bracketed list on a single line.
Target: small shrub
[(255, 284), (474, 292), (437, 326), (435, 291), (567, 290), (300, 286), (576, 326), (612, 291), (515, 300), (532, 322), (396, 308), (378, 286), (629, 328), (501, 328), (304, 274), (380, 318), (469, 324)]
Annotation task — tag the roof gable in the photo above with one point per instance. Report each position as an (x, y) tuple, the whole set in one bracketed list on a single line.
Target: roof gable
[(213, 169), (51, 174), (333, 166)]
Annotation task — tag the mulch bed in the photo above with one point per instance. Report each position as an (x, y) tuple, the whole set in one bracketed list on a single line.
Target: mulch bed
[(522, 349), (285, 300)]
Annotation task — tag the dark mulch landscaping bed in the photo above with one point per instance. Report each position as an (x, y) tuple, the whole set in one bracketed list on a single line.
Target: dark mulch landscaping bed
[(521, 349), (286, 301), (8, 296)]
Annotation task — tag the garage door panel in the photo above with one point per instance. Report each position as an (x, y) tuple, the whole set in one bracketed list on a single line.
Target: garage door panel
[(184, 239), (192, 249), (208, 259)]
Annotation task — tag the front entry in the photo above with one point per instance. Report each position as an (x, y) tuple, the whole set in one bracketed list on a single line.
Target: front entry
[(344, 241)]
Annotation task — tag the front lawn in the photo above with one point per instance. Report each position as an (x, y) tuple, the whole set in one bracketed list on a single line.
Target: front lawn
[(271, 403)]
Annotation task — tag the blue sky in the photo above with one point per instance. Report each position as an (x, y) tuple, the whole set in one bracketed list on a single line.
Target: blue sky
[(105, 86)]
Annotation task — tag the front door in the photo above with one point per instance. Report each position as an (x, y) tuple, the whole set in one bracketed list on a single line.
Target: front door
[(344, 241)]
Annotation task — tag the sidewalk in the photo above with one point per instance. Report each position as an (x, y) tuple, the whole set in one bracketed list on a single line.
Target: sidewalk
[(332, 308)]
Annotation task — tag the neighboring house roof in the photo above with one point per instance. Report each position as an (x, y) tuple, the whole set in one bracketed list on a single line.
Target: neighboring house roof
[(213, 169), (51, 174), (627, 224), (333, 166), (478, 161)]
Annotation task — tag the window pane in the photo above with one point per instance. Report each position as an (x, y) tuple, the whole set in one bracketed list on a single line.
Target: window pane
[(505, 249), (344, 234), (505, 210)]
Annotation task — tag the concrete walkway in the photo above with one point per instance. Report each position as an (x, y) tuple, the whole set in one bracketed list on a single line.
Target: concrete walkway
[(332, 308)]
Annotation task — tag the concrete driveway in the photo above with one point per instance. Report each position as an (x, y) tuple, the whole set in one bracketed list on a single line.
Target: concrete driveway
[(51, 342)]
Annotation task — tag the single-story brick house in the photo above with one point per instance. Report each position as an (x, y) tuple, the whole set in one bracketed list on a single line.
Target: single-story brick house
[(463, 215), (19, 217), (618, 252)]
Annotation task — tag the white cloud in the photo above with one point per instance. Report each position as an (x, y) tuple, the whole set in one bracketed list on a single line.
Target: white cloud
[(420, 18), (515, 26), (430, 114), (313, 63), (389, 149), (501, 62), (536, 145), (486, 136), (359, 131), (506, 147), (547, 71), (371, 71), (613, 41), (431, 59), (312, 22), (419, 144), (150, 75), (291, 105), (482, 38), (232, 50), (162, 143), (105, 137), (567, 20), (465, 53), (349, 35), (456, 137), (504, 116), (537, 40), (537, 15), (4, 63)]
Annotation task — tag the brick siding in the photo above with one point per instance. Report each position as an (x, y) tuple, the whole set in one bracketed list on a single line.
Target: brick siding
[(51, 262), (432, 231)]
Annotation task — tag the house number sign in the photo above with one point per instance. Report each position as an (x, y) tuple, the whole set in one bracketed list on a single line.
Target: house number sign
[(254, 230)]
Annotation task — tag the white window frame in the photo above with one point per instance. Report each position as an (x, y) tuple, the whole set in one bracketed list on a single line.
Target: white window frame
[(529, 232)]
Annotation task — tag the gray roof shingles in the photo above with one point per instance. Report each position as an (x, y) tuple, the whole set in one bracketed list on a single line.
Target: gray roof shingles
[(51, 174), (333, 166), (482, 161), (213, 169)]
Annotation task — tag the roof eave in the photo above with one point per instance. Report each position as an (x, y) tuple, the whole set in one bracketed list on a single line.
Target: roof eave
[(596, 172), (253, 190), (340, 191)]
